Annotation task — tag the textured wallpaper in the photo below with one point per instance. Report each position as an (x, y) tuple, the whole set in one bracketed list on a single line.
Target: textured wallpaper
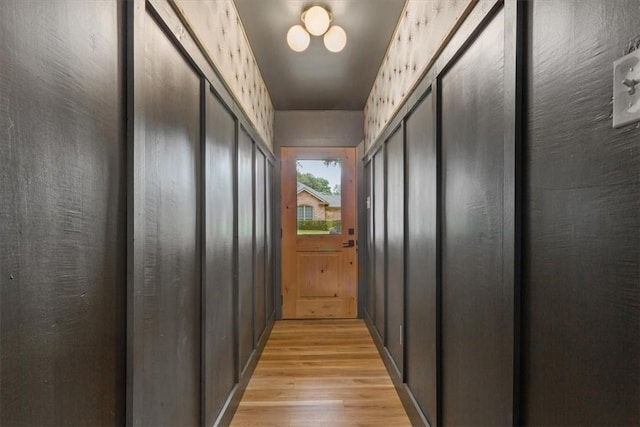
[(420, 31), (218, 26)]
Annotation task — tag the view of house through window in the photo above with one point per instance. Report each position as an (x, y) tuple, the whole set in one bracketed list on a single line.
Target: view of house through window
[(319, 197)]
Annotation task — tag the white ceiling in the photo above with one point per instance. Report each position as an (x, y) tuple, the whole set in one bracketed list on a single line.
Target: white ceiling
[(317, 79)]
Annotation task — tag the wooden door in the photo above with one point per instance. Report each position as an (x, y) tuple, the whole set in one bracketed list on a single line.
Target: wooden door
[(319, 253)]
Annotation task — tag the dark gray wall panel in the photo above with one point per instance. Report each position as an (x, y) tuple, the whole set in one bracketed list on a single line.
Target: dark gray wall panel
[(269, 291), (245, 247), (395, 246), (472, 162), (581, 284), (370, 284), (171, 312), (362, 212), (218, 337), (259, 257), (421, 287), (379, 240), (62, 214)]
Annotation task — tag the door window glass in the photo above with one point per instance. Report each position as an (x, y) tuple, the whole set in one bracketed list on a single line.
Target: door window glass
[(319, 200)]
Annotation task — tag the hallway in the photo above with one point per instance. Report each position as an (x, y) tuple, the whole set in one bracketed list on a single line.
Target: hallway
[(320, 373), (484, 227)]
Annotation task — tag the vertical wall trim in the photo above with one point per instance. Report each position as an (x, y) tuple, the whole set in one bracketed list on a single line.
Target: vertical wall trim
[(253, 243), (385, 283), (263, 193), (372, 218), (236, 248), (201, 243), (264, 239), (135, 205), (512, 237), (405, 249), (267, 249), (437, 138)]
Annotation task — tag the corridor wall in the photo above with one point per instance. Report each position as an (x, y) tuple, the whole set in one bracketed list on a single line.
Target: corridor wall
[(521, 228), (169, 253), (260, 246), (422, 259), (246, 274), (135, 237), (581, 268), (379, 241), (219, 376), (394, 249), (225, 176), (63, 213), (477, 348)]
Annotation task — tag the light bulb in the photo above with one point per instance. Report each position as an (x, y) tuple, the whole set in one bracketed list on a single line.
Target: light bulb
[(316, 20), (297, 38), (336, 39)]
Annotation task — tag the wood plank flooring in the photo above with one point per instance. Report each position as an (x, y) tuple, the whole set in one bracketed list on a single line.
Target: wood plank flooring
[(320, 373)]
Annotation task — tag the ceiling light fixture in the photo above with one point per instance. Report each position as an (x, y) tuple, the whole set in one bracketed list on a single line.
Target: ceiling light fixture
[(335, 39), (297, 38), (316, 22)]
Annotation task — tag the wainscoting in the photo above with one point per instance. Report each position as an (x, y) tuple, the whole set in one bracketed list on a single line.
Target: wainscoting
[(189, 347), (137, 225), (479, 289)]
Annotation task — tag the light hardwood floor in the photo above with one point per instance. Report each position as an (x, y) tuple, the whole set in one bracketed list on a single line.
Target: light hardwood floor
[(320, 373)]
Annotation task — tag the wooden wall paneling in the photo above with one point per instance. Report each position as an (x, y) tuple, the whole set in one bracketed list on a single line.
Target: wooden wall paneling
[(422, 257), (469, 29), (370, 285), (269, 254), (63, 214), (436, 103), (219, 362), (379, 241), (514, 56), (581, 286), (259, 256), (245, 247), (474, 378), (136, 14), (171, 258), (395, 248)]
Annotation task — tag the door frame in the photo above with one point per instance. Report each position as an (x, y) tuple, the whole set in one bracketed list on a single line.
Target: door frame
[(360, 222)]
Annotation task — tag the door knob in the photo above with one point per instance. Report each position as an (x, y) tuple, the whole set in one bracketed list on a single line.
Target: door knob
[(349, 244)]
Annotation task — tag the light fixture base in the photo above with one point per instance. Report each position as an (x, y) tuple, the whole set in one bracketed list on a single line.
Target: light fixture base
[(328, 13)]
